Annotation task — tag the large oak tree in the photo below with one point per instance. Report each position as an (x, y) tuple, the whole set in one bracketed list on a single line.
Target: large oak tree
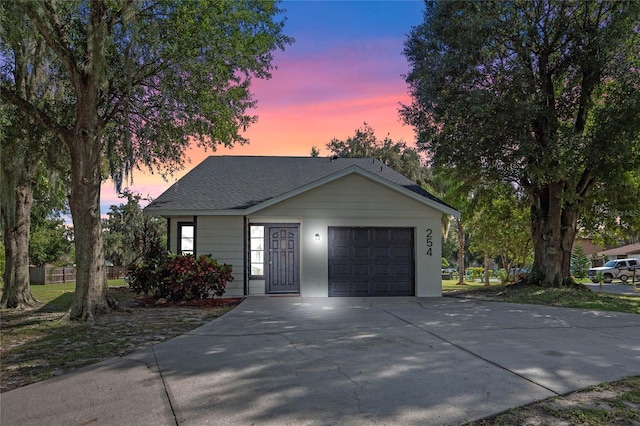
[(544, 95), (31, 156), (142, 81)]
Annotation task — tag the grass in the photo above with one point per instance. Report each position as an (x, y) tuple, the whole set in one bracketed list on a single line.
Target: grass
[(36, 344), (616, 403), (562, 297)]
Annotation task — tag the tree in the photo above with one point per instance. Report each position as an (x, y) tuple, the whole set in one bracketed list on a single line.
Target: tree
[(580, 263), (142, 81), (314, 151), (31, 156), (50, 239), (365, 144), (131, 236), (442, 184), (49, 242), (499, 226), (615, 215), (543, 95)]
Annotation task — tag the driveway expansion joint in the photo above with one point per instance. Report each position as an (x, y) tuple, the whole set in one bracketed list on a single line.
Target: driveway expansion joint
[(470, 352), (164, 386)]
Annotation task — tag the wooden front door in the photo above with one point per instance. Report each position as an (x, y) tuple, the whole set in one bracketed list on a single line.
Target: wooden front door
[(283, 263)]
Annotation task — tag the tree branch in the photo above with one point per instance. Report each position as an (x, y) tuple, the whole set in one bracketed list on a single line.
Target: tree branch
[(586, 180), (30, 110), (51, 30)]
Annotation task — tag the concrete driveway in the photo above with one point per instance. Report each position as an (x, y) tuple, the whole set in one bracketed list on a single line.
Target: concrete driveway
[(300, 361)]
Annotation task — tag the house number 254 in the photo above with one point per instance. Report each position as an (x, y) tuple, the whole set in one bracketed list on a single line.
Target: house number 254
[(429, 242)]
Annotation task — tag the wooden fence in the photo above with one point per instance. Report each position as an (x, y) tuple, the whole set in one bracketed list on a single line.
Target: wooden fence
[(52, 274)]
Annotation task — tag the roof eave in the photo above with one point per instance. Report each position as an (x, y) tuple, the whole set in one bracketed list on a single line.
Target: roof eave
[(193, 212)]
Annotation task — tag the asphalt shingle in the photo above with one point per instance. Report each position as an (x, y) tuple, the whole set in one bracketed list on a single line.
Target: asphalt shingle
[(240, 182)]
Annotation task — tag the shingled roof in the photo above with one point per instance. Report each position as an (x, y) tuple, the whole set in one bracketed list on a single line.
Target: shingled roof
[(234, 184)]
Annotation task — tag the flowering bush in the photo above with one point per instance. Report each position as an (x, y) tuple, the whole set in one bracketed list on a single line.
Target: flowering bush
[(181, 277)]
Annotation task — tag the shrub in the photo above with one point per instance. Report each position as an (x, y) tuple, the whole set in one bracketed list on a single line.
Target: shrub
[(145, 276), (475, 272), (181, 277), (501, 274)]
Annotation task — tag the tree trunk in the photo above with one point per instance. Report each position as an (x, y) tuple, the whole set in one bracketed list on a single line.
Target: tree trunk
[(91, 294), (461, 271), (553, 230), (568, 236), (91, 297), (486, 269), (17, 291)]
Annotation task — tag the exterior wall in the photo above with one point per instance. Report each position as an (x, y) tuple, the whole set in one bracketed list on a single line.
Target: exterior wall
[(223, 238), (355, 201)]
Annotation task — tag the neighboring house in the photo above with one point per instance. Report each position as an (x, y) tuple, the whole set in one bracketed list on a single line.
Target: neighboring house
[(316, 227), (587, 245), (630, 250)]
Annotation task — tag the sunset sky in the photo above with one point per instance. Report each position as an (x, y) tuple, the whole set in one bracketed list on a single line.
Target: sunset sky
[(345, 68)]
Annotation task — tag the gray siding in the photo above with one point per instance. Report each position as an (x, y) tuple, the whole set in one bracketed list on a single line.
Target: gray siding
[(357, 201), (351, 196), (223, 238)]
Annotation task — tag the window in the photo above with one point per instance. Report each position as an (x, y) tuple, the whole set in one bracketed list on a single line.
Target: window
[(186, 238), (256, 250)]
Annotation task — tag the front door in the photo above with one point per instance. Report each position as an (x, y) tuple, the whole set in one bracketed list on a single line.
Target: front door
[(283, 265)]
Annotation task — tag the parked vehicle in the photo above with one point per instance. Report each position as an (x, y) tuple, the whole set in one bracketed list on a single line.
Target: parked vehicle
[(621, 269)]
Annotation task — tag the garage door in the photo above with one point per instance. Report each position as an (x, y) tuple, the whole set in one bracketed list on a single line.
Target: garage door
[(371, 261)]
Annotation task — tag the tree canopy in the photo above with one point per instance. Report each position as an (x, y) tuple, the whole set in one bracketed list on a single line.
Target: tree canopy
[(544, 95), (141, 82), (130, 236), (395, 154), (33, 163)]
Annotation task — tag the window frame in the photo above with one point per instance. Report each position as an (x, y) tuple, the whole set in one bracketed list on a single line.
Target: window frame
[(251, 251), (179, 248)]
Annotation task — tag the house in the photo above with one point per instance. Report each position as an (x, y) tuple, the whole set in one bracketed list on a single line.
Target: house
[(623, 252), (588, 246), (316, 227)]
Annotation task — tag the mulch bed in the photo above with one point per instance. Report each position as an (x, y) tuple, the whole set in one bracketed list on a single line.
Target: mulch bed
[(151, 302)]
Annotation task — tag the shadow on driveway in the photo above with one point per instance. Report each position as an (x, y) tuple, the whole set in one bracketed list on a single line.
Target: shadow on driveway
[(405, 361)]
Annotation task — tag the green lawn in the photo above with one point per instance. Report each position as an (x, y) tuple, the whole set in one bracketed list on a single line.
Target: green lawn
[(564, 297), (59, 296), (453, 285)]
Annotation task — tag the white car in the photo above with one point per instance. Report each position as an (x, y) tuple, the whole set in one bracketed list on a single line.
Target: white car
[(621, 269)]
